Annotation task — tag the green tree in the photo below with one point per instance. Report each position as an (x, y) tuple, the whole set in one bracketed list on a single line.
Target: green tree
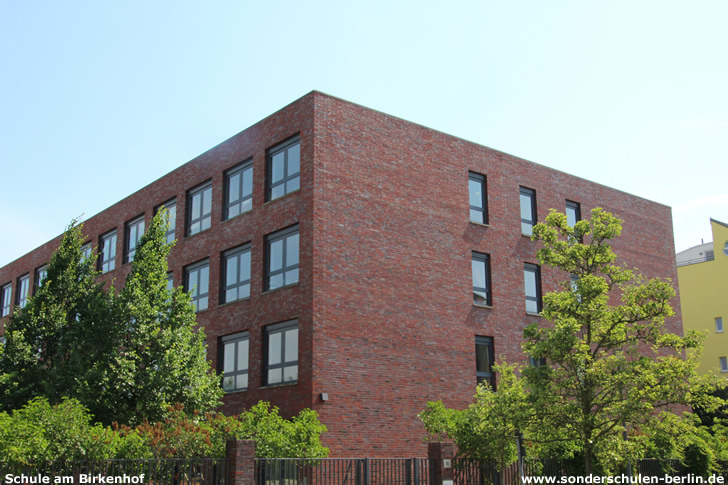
[(127, 356), (612, 366)]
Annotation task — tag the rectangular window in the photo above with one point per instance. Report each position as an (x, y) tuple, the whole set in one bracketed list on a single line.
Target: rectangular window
[(171, 218), (236, 274), (170, 281), (478, 198), (481, 279), (573, 212), (281, 267), (23, 288), (284, 169), (528, 210), (86, 251), (197, 283), (107, 252), (718, 324), (281, 353), (484, 361), (132, 234), (235, 351), (723, 364), (238, 190), (532, 283), (40, 275), (5, 299), (199, 209), (537, 361)]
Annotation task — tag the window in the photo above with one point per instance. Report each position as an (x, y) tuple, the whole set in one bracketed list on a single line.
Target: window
[(197, 283), (532, 283), (481, 279), (199, 209), (171, 218), (170, 281), (573, 212), (23, 287), (5, 293), (107, 252), (235, 351), (281, 353), (281, 258), (718, 324), (238, 190), (723, 364), (236, 274), (528, 210), (284, 169), (537, 361), (484, 361), (478, 198), (86, 251), (40, 276), (132, 234)]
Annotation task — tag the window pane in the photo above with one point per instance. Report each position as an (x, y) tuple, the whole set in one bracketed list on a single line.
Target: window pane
[(292, 250), (231, 271), (276, 281), (274, 348), (292, 276), (278, 191), (529, 278), (276, 255), (245, 266), (242, 381), (294, 159), (478, 274), (274, 376), (291, 345), (476, 216), (278, 166), (243, 355), (229, 358), (247, 181), (290, 373), (204, 279), (526, 212), (293, 184), (228, 383), (476, 193), (234, 188), (482, 358), (531, 306)]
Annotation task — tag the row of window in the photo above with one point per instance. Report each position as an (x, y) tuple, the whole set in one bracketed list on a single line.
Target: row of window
[(23, 290), (280, 357), (283, 177), (281, 269), (477, 187), (482, 288)]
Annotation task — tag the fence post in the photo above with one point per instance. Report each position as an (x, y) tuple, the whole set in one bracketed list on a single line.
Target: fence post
[(441, 456), (240, 458)]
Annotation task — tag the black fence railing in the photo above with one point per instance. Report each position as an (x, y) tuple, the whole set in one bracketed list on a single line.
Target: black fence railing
[(343, 471), (202, 471)]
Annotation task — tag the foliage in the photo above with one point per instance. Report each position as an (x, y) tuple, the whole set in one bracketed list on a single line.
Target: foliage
[(41, 432), (127, 356), (614, 378), (612, 366)]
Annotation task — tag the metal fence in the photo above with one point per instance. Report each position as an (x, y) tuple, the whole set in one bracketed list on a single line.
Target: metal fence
[(200, 471), (343, 471)]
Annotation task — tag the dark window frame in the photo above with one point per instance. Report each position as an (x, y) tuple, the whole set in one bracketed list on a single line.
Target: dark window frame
[(204, 219), (197, 296), (488, 290), (270, 184), (270, 239), (131, 241), (488, 374), (6, 299), (106, 261), (240, 203), (576, 208), (236, 339), (87, 251), (22, 290), (41, 273), (483, 209), (280, 328), (171, 207), (224, 286), (538, 297), (528, 223)]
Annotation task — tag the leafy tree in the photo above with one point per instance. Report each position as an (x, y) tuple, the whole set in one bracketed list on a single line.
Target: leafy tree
[(612, 366), (127, 356)]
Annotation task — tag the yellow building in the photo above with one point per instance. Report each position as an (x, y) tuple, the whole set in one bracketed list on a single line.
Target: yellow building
[(702, 274)]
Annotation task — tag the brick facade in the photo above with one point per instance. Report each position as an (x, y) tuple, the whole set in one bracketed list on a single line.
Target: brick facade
[(384, 302)]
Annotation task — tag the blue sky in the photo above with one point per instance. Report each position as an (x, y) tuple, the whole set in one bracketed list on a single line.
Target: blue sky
[(98, 99)]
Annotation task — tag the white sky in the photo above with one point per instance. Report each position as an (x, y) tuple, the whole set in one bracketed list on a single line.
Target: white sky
[(98, 99)]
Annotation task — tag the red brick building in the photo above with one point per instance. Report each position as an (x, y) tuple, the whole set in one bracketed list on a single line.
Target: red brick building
[(352, 262)]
